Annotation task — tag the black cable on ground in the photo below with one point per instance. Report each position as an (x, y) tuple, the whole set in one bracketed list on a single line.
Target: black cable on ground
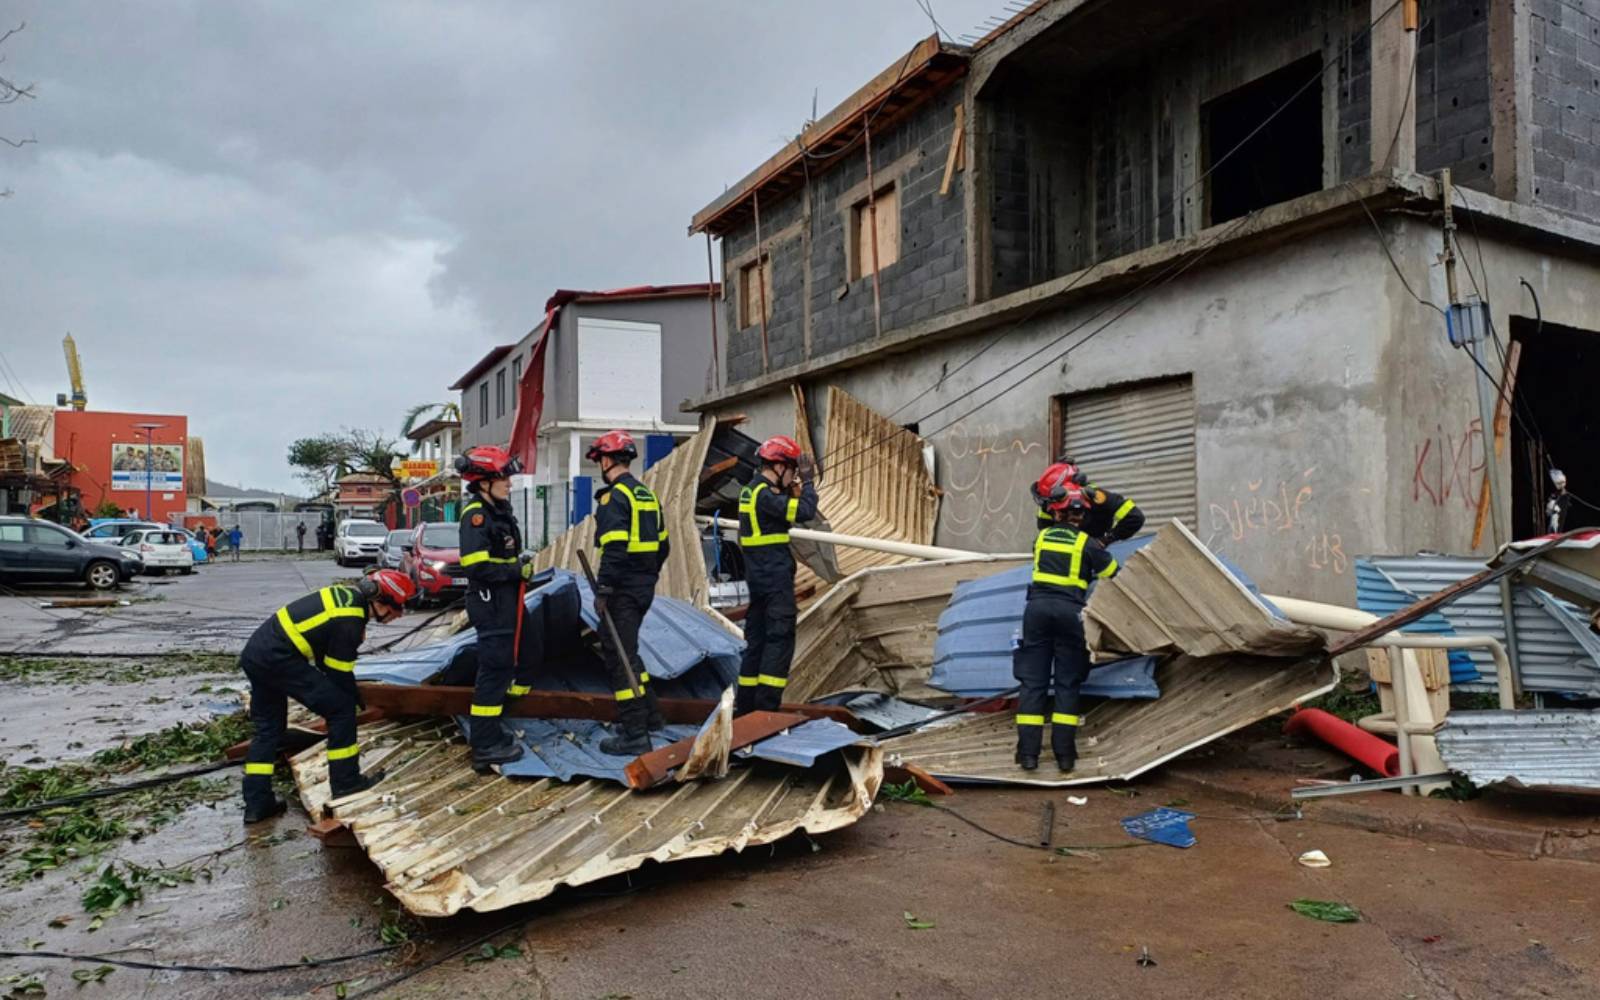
[(439, 960), (111, 790), (244, 970)]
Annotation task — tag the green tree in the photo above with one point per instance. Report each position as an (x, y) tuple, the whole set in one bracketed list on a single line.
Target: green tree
[(370, 451), (320, 460), (432, 411)]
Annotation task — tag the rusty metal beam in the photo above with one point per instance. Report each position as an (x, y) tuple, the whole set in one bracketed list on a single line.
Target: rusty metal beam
[(656, 766)]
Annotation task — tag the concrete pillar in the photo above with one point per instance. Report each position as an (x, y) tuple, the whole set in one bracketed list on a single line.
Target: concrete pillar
[(1394, 92), (1511, 99)]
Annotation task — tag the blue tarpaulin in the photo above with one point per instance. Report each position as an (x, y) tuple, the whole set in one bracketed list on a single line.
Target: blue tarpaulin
[(1162, 826)]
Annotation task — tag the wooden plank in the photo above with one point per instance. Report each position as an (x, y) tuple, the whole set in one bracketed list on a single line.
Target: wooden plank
[(397, 700), (299, 738), (332, 833), (716, 469), (957, 137), (656, 766), (1502, 432)]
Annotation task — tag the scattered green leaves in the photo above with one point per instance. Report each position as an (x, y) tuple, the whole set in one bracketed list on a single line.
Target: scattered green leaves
[(116, 887), (97, 974), (1321, 909), (111, 670), (488, 953), (1352, 701), (1461, 790), (915, 922), (906, 791), (22, 985), (180, 744)]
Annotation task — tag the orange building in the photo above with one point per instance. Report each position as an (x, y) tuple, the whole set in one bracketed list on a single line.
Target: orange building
[(114, 459)]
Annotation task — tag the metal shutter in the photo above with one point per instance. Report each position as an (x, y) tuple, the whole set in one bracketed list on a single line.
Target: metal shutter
[(1137, 441)]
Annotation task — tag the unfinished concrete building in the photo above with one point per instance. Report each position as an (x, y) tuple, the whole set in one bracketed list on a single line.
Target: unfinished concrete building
[(1197, 247)]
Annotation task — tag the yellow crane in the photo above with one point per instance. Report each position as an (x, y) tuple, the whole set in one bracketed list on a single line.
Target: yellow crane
[(80, 399)]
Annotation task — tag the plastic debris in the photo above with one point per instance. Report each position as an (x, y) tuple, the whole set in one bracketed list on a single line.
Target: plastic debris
[(1315, 859), (1078, 800), (1162, 826)]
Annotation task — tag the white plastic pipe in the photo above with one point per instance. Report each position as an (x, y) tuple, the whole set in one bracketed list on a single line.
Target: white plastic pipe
[(1342, 619), (908, 549)]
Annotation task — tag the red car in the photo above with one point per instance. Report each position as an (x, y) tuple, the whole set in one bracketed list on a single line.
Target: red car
[(436, 546)]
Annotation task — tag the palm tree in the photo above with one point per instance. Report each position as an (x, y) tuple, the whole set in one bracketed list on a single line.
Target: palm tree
[(435, 411)]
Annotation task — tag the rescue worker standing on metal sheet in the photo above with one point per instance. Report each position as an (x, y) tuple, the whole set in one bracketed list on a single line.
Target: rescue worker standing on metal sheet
[(779, 495), (1053, 653), (307, 652), (631, 533), (508, 638), (1112, 516)]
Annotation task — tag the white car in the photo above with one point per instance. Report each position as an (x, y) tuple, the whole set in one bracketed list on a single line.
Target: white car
[(358, 541), (162, 549)]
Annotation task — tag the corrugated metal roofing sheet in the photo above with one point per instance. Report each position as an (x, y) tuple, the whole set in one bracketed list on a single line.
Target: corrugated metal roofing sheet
[(874, 483), (570, 748), (1377, 594), (1542, 748), (447, 839), (34, 425), (1556, 652), (803, 745)]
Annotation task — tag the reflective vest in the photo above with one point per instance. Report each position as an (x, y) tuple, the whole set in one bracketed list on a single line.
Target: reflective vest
[(751, 534), (1058, 559), (336, 602), (645, 529)]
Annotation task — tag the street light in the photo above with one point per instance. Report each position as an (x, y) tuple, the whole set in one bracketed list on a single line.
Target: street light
[(149, 431)]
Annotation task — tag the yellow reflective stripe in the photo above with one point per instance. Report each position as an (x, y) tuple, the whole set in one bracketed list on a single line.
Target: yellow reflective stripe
[(644, 677), (343, 753), (1074, 576), (289, 629), (474, 558), (347, 666), (254, 768), (472, 505), (620, 535), (487, 710), (625, 694), (1063, 719), (519, 689), (1108, 570), (1030, 720), (793, 510), (748, 682), (771, 681), (1122, 512), (749, 520)]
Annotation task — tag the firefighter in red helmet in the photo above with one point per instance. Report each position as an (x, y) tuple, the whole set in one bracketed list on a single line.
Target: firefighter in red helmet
[(1053, 654), (631, 532), (780, 495), (509, 639), (307, 651), (1112, 517)]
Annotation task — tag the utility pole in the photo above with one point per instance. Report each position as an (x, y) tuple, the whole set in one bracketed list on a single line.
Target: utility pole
[(1469, 326)]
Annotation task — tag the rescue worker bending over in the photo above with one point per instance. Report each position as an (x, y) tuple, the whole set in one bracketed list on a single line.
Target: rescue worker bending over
[(1112, 516), (307, 651), (1053, 653), (779, 495), (631, 532), (491, 556)]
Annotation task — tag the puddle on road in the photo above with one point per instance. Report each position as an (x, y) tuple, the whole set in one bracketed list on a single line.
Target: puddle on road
[(63, 723)]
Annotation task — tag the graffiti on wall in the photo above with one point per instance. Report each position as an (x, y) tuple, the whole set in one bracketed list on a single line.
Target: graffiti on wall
[(986, 501), (1448, 466), (1281, 511)]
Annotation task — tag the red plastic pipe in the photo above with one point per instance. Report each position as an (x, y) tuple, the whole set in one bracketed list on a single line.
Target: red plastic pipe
[(1358, 744)]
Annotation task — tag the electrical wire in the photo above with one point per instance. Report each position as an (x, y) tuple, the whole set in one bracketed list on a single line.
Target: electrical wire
[(127, 963), (113, 790)]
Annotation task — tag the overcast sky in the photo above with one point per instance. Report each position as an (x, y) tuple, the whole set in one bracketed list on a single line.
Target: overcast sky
[(286, 218)]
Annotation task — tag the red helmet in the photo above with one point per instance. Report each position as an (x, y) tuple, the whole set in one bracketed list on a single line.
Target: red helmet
[(487, 462), (1074, 498), (393, 586), (779, 449), (617, 444), (1053, 484)]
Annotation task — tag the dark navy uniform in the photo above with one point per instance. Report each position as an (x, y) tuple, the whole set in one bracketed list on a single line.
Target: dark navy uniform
[(491, 549), (764, 519), (307, 651), (631, 533), (1053, 651), (1112, 516)]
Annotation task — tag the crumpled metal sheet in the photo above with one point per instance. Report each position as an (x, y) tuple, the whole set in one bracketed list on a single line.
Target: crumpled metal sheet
[(805, 744), (1174, 597), (447, 839), (1554, 749), (565, 749)]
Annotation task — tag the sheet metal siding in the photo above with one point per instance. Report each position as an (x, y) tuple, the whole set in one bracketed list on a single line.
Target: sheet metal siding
[(1378, 595), (1551, 657), (874, 483), (1528, 747), (1138, 441)]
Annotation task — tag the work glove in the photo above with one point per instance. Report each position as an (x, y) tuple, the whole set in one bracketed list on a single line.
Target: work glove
[(807, 468), (527, 571), (600, 606)]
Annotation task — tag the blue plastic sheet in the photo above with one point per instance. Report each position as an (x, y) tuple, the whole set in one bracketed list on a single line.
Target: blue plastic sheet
[(1162, 826)]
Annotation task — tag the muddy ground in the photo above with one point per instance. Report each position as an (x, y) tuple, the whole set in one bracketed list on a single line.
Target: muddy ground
[(911, 902)]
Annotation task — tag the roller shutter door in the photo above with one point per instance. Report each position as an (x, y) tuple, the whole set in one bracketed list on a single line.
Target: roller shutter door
[(1138, 441)]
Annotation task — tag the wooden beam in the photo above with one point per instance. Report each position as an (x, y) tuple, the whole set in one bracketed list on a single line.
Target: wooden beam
[(1502, 431), (397, 700), (656, 766), (711, 472), (952, 158)]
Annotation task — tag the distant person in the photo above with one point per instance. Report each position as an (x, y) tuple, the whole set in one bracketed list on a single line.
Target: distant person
[(300, 536), (211, 535), (1559, 505), (235, 539)]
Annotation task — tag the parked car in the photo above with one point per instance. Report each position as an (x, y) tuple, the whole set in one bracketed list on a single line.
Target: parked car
[(391, 555), (162, 549), (358, 541), (34, 551), (112, 530), (437, 545)]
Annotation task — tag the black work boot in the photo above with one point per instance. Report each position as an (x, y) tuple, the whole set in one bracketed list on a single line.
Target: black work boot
[(1027, 761), (256, 812), (1066, 762), (359, 783), (626, 741), (504, 752)]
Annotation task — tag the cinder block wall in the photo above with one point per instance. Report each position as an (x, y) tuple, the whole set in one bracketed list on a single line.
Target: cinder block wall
[(1564, 37)]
